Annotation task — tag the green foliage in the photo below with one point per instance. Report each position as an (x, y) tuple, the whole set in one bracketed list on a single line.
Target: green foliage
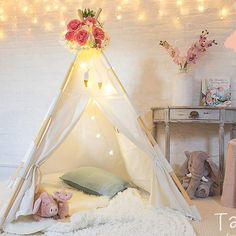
[(88, 13)]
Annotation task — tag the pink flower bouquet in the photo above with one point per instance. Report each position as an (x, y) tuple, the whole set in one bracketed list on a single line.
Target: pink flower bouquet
[(193, 53), (86, 33)]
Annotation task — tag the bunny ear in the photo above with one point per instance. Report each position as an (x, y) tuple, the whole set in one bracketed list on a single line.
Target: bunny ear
[(37, 205)]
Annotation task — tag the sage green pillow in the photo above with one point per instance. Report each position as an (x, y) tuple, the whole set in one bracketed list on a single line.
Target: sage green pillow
[(95, 181)]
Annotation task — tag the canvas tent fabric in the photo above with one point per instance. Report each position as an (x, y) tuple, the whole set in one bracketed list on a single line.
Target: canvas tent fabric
[(144, 163)]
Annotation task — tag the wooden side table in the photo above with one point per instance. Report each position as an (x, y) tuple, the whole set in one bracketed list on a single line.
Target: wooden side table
[(191, 115)]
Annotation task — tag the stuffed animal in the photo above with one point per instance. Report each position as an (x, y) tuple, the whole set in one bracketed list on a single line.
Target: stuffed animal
[(63, 207), (44, 207), (199, 174)]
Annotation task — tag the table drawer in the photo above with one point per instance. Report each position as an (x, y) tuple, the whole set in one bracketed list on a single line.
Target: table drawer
[(194, 114)]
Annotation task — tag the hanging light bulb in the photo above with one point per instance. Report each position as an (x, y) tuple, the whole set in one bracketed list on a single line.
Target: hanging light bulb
[(109, 89), (100, 85), (111, 152), (86, 78), (83, 66), (98, 135), (92, 117)]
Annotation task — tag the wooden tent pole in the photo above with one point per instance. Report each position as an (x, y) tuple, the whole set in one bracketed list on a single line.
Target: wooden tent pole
[(172, 173), (98, 13), (22, 178), (80, 14), (38, 141), (117, 79)]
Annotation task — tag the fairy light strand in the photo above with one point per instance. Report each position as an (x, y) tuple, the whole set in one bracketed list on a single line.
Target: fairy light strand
[(38, 13)]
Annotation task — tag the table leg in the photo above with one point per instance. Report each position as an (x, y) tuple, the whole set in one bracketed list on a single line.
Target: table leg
[(233, 132), (221, 154), (154, 131), (167, 141)]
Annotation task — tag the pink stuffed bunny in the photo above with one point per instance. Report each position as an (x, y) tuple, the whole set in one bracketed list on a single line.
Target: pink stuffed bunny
[(63, 207), (44, 207)]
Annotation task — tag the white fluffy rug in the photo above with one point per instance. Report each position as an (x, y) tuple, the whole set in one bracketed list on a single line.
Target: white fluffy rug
[(127, 214)]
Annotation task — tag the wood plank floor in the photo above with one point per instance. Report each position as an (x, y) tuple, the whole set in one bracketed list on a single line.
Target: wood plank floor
[(210, 223)]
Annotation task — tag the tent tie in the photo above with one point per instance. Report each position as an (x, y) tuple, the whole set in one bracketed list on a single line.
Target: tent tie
[(39, 174)]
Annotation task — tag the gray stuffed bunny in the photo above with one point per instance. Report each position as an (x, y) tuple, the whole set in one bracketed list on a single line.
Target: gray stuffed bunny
[(199, 174)]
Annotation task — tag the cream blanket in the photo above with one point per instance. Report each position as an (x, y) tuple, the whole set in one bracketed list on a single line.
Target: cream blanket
[(128, 213)]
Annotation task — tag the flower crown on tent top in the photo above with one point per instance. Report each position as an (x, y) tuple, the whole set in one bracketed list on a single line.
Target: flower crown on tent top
[(86, 32)]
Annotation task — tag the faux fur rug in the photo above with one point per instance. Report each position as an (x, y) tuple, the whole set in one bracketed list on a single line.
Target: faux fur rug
[(127, 214)]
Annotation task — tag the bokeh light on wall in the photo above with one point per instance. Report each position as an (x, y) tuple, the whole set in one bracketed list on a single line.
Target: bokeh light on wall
[(48, 15)]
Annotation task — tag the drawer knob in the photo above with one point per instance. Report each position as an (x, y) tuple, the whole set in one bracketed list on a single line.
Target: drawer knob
[(194, 115)]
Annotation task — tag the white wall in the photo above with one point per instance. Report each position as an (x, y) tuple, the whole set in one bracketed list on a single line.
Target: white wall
[(33, 62)]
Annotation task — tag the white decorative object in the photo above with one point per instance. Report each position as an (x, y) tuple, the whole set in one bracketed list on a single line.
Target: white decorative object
[(182, 89)]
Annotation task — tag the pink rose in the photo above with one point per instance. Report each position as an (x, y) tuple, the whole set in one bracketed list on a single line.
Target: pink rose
[(89, 20), (98, 33), (70, 35), (74, 25), (81, 36)]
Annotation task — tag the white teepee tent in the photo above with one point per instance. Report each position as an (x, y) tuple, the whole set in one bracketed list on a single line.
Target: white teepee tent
[(75, 104)]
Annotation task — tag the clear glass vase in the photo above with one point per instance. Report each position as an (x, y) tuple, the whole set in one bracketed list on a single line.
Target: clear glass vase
[(182, 89)]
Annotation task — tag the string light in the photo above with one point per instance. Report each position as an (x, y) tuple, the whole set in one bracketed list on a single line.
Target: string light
[(119, 8), (141, 16), (119, 17), (48, 26), (92, 117), (184, 11), (35, 20), (63, 8), (160, 13), (111, 152), (48, 8), (201, 8), (223, 13), (62, 23), (3, 18), (83, 66), (108, 89), (90, 84), (31, 8), (25, 9), (179, 2), (2, 35), (177, 23), (98, 135)]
